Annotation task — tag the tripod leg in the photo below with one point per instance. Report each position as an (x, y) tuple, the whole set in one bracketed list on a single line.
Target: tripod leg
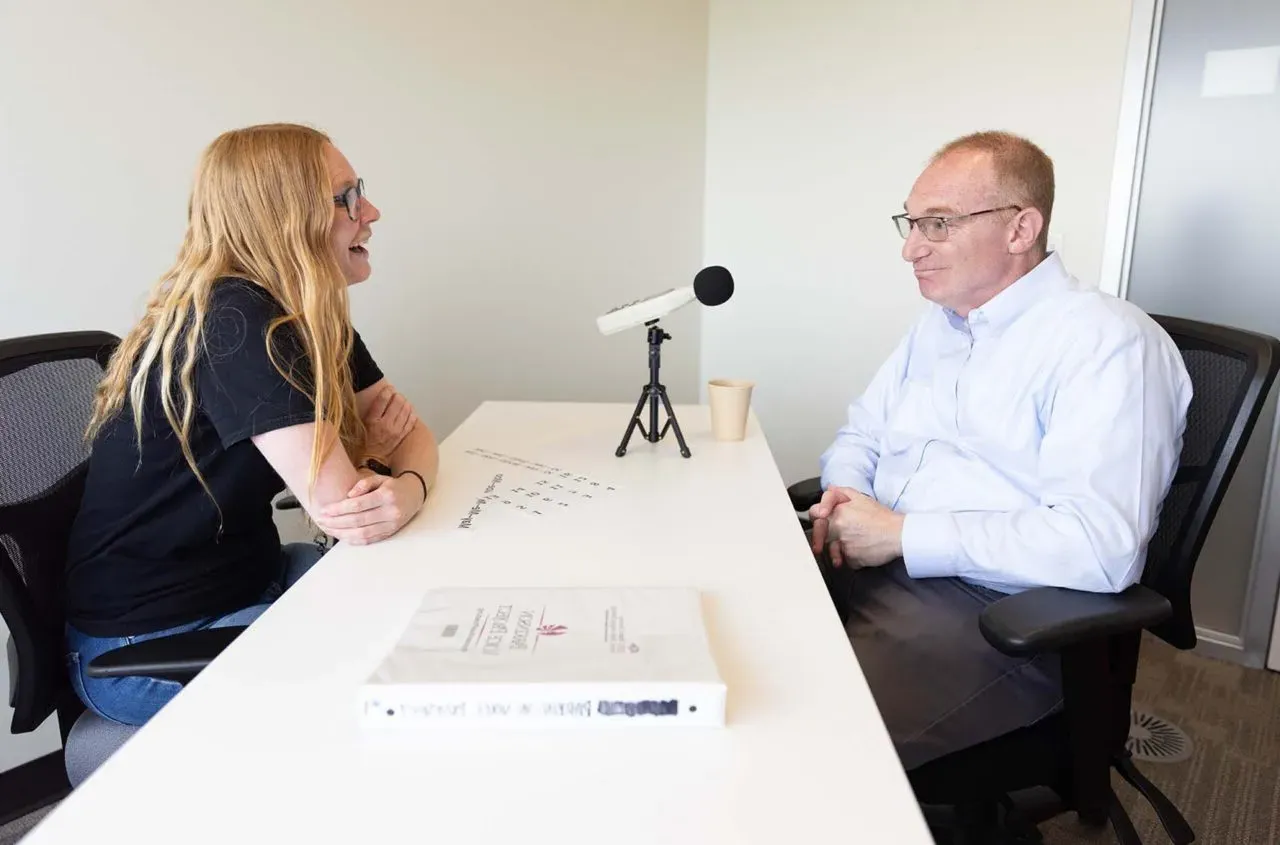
[(671, 420), (635, 420), (653, 436)]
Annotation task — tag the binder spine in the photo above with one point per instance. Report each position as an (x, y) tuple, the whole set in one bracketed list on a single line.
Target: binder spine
[(462, 704)]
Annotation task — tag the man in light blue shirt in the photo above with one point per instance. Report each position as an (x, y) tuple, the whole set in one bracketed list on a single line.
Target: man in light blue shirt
[(1022, 434)]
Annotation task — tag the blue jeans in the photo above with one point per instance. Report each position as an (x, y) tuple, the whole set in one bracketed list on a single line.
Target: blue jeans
[(134, 700)]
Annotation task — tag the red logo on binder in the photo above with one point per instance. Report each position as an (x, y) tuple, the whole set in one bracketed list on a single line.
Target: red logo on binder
[(552, 630)]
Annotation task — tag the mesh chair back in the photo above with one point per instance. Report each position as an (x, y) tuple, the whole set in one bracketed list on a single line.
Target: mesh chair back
[(1231, 373), (47, 384)]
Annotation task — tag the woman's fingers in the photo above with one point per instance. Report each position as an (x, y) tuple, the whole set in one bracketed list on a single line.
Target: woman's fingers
[(381, 402)]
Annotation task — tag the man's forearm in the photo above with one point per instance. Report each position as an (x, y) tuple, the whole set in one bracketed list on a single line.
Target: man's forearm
[(850, 461), (1095, 551), (419, 452)]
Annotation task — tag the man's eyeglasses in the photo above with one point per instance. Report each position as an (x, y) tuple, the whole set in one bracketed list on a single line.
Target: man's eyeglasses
[(935, 228), (350, 199)]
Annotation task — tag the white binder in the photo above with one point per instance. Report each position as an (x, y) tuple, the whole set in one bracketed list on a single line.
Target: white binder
[(581, 657)]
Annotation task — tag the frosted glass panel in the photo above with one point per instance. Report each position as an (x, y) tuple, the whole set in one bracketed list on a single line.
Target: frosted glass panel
[(1207, 236)]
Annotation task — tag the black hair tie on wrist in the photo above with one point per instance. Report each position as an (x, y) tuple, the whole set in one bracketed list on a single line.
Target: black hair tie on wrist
[(377, 466), (421, 481)]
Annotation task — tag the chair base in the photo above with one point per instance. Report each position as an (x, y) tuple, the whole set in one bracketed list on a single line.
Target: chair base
[(32, 786), (1012, 821), (1177, 828), (982, 824)]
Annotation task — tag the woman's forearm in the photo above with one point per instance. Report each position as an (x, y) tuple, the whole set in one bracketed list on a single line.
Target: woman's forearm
[(419, 452)]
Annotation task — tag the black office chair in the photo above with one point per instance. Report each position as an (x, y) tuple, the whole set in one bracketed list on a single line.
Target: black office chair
[(47, 384), (1098, 635)]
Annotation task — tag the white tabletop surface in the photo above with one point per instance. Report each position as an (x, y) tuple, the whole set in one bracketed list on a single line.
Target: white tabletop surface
[(263, 746)]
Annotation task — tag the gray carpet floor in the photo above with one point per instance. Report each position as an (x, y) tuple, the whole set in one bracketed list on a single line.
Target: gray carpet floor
[(1226, 781), (1228, 787)]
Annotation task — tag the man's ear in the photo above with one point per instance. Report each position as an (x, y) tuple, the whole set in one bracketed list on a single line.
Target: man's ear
[(1027, 227)]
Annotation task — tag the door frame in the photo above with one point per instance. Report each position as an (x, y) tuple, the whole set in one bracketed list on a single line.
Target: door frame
[(1131, 143), (1250, 645)]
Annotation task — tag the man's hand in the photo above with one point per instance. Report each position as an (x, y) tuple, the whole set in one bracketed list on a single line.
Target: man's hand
[(820, 514), (864, 533), (375, 508), (388, 421), (853, 526)]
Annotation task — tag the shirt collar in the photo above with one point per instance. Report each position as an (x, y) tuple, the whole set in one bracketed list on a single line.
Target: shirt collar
[(1046, 278)]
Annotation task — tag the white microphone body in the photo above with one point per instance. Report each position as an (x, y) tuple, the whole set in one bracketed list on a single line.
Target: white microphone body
[(642, 311)]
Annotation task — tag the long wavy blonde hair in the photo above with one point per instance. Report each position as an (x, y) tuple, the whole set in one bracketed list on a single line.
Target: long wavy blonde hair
[(261, 209)]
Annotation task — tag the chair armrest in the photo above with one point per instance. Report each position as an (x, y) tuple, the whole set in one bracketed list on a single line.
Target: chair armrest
[(288, 502), (179, 657), (1051, 618), (805, 494)]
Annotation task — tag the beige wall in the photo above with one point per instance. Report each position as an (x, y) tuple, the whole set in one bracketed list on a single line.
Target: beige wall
[(820, 115), (536, 163)]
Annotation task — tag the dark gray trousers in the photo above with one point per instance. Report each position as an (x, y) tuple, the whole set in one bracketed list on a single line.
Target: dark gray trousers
[(938, 684)]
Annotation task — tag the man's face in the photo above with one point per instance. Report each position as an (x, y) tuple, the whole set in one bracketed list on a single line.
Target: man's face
[(970, 265)]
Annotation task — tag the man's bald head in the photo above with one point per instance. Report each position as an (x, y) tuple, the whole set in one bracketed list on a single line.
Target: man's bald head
[(1023, 173), (987, 199)]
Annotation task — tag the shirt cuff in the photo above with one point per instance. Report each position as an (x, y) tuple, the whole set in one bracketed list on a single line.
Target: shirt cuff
[(930, 545)]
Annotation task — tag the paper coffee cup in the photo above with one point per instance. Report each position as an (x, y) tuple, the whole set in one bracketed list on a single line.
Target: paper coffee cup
[(730, 400)]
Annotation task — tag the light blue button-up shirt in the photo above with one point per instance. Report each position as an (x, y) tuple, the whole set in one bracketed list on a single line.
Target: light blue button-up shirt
[(1028, 445)]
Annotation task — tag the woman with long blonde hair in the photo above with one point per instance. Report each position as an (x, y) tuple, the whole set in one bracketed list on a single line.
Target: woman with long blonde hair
[(243, 377)]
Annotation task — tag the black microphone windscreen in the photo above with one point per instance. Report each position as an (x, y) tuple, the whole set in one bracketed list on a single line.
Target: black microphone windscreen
[(713, 285)]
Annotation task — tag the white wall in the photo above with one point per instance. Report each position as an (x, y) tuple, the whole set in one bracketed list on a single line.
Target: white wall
[(821, 114), (535, 162), (555, 151)]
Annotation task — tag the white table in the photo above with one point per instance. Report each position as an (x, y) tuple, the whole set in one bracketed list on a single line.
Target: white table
[(263, 745)]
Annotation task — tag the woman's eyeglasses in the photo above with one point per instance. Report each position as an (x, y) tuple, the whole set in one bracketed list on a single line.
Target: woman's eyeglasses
[(350, 199)]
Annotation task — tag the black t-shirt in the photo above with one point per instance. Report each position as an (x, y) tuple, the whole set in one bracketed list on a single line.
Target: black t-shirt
[(147, 551)]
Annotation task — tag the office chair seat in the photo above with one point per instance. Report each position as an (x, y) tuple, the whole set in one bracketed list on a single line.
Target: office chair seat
[(91, 741)]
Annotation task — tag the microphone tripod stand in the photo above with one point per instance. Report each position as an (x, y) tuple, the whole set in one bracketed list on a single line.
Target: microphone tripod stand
[(651, 393)]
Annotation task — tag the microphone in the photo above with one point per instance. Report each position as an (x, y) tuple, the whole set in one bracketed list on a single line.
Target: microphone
[(712, 286)]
